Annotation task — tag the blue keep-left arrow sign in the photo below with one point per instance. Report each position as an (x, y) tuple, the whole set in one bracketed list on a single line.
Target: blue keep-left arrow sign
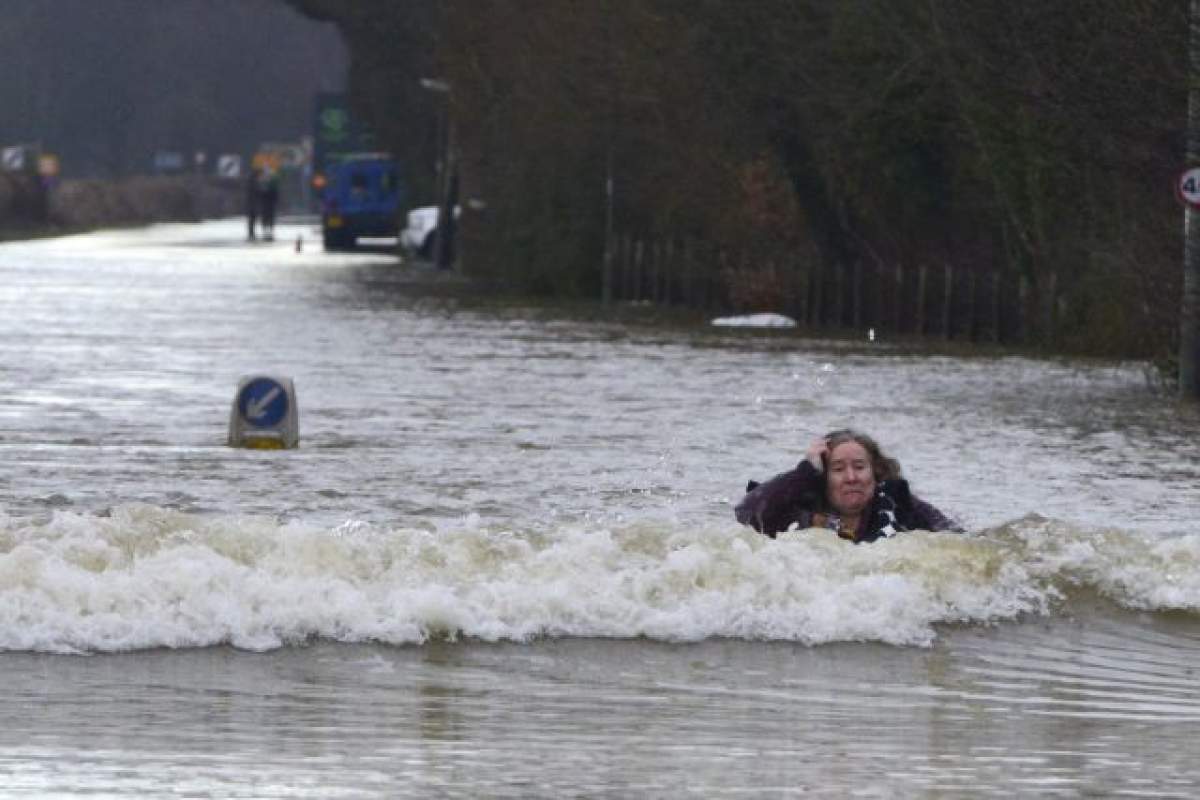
[(263, 403)]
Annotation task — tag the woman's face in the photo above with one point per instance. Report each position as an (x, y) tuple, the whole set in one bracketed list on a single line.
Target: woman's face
[(851, 481)]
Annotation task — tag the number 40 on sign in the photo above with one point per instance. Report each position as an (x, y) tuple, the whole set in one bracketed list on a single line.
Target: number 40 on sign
[(1188, 187)]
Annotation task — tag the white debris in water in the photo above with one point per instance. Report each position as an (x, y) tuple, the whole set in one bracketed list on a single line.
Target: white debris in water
[(755, 321)]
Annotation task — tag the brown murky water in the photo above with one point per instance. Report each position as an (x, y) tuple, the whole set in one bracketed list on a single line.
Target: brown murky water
[(503, 561)]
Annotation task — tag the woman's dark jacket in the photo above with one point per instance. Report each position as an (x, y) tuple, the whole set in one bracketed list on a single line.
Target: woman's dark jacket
[(795, 496)]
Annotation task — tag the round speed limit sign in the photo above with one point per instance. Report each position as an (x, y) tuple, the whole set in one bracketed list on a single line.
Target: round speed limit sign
[(1188, 187)]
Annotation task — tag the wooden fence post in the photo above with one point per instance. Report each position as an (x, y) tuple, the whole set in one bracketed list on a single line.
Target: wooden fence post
[(668, 271), (947, 300), (1023, 310), (839, 297), (638, 251), (996, 319), (1050, 301), (654, 255), (922, 295), (971, 324), (856, 295), (816, 296), (622, 276), (689, 278), (800, 307), (630, 273)]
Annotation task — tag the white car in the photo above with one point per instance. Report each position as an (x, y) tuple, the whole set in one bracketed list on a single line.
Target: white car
[(417, 236)]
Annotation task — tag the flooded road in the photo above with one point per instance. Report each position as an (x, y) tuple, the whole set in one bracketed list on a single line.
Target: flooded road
[(502, 561)]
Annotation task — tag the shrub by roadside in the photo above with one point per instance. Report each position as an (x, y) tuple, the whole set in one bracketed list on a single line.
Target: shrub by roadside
[(28, 208), (134, 201)]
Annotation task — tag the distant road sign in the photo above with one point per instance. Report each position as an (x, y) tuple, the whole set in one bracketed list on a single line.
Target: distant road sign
[(229, 165), (1188, 187), (13, 158), (336, 131), (168, 161), (294, 156), (283, 154)]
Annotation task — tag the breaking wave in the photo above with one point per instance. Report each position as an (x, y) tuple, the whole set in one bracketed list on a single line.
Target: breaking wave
[(145, 577)]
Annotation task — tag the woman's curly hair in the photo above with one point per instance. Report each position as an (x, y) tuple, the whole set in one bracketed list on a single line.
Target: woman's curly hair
[(884, 467)]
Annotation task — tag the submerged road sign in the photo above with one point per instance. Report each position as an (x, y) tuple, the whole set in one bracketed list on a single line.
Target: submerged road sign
[(264, 416)]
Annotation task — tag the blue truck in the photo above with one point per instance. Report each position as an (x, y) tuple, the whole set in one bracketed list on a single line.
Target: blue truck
[(361, 197), (359, 189)]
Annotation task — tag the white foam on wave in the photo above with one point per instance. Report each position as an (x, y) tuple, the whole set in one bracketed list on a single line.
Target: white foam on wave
[(147, 577)]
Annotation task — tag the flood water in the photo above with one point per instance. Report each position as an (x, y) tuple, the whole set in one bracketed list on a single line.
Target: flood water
[(503, 563)]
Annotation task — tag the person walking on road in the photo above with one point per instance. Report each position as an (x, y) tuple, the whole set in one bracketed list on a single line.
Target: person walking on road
[(269, 201), (253, 203)]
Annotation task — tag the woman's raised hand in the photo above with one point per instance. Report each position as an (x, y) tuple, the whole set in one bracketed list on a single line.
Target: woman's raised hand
[(816, 453)]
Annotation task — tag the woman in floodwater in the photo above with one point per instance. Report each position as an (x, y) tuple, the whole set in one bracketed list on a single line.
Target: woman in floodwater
[(846, 484)]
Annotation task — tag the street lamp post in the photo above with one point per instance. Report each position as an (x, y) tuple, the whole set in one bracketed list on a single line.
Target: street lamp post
[(447, 177)]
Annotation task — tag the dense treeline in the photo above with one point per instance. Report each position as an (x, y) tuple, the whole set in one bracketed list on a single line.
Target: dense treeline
[(973, 169)]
